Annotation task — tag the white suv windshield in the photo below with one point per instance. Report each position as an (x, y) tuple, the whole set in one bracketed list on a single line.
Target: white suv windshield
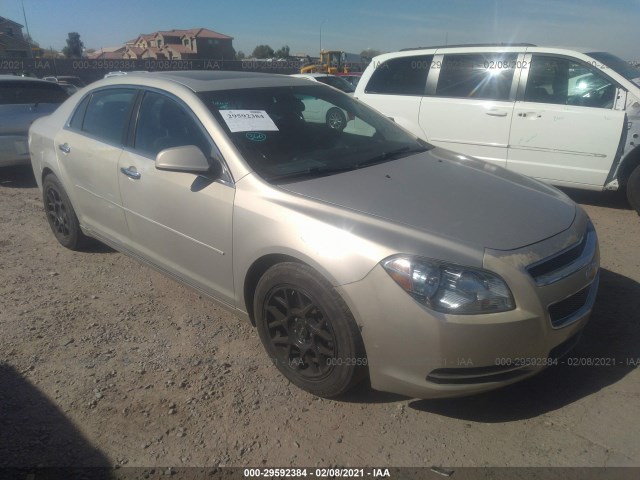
[(625, 69), (337, 82), (292, 133)]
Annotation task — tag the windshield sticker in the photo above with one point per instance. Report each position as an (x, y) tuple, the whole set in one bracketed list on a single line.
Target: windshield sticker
[(248, 120), (256, 136)]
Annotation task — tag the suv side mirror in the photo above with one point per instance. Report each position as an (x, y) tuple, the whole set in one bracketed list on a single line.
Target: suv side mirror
[(183, 159)]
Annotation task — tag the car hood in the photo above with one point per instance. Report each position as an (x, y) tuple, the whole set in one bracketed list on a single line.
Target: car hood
[(450, 196)]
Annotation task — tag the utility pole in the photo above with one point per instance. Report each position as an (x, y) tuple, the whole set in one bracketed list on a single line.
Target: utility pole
[(24, 14), (321, 23)]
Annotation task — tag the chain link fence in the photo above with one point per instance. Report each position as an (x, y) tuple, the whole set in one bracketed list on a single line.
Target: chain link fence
[(92, 70)]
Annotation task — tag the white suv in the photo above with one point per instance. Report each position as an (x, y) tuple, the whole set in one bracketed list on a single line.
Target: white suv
[(568, 118)]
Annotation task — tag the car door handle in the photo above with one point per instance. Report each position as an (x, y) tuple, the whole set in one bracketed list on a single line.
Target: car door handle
[(65, 148), (131, 172), (496, 113)]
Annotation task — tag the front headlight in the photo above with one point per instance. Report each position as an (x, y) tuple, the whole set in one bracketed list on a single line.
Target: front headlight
[(450, 288)]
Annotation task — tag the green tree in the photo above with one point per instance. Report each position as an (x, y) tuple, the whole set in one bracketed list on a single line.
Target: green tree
[(263, 51), (282, 52), (74, 46), (240, 55)]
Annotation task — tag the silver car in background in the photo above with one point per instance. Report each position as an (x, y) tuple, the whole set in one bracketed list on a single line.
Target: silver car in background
[(22, 100), (356, 252)]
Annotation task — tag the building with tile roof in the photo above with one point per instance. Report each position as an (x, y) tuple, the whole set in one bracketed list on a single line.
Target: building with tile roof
[(179, 45), (12, 41), (107, 53)]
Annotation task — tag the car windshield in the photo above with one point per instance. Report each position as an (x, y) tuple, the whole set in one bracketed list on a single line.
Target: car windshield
[(22, 93), (292, 133), (625, 69), (337, 82)]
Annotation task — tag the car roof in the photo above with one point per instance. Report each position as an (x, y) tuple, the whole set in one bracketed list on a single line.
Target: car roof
[(18, 78), (203, 80), (462, 45), (313, 75), (475, 46)]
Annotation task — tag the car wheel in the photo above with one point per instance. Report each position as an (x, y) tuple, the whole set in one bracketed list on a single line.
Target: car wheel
[(633, 189), (61, 216), (308, 330), (336, 119)]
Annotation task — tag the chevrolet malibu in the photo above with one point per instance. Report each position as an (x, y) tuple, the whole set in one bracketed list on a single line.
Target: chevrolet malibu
[(356, 252)]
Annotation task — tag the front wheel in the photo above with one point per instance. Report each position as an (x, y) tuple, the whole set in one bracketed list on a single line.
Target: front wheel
[(308, 330), (633, 189), (61, 216)]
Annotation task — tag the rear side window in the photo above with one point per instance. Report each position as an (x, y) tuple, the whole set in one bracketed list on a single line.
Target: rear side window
[(108, 113), (482, 76), (21, 93), (78, 116), (401, 76)]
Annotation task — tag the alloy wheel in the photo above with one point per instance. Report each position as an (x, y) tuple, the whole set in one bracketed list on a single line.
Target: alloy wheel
[(299, 332), (57, 213)]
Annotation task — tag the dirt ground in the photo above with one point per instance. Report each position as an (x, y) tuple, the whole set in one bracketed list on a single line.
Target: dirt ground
[(105, 362)]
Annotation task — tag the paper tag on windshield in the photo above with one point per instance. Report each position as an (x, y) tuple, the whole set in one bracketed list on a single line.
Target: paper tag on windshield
[(248, 121)]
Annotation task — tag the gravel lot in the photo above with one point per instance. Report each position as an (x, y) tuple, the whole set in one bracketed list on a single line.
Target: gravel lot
[(105, 362)]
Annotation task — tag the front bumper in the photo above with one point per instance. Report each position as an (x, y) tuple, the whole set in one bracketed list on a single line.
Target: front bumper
[(414, 351)]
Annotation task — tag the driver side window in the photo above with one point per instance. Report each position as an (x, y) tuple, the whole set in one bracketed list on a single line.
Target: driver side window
[(163, 123), (562, 81)]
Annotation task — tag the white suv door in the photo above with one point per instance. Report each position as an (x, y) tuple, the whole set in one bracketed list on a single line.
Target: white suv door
[(395, 89), (565, 129), (469, 103)]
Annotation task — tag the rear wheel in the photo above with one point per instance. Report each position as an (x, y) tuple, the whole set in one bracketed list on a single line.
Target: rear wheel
[(61, 216), (308, 330), (633, 189), (336, 119)]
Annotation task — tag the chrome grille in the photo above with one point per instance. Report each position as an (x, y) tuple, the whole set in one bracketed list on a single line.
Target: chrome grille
[(565, 262)]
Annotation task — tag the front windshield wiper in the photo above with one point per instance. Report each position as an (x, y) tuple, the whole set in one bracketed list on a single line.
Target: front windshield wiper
[(391, 155), (315, 172)]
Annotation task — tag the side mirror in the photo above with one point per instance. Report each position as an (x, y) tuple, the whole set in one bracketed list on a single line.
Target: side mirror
[(182, 159)]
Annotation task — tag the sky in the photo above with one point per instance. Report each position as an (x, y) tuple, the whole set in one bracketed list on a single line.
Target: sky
[(347, 25)]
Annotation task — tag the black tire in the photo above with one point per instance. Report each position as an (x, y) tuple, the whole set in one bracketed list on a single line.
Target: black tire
[(335, 119), (633, 189), (61, 216), (308, 330)]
